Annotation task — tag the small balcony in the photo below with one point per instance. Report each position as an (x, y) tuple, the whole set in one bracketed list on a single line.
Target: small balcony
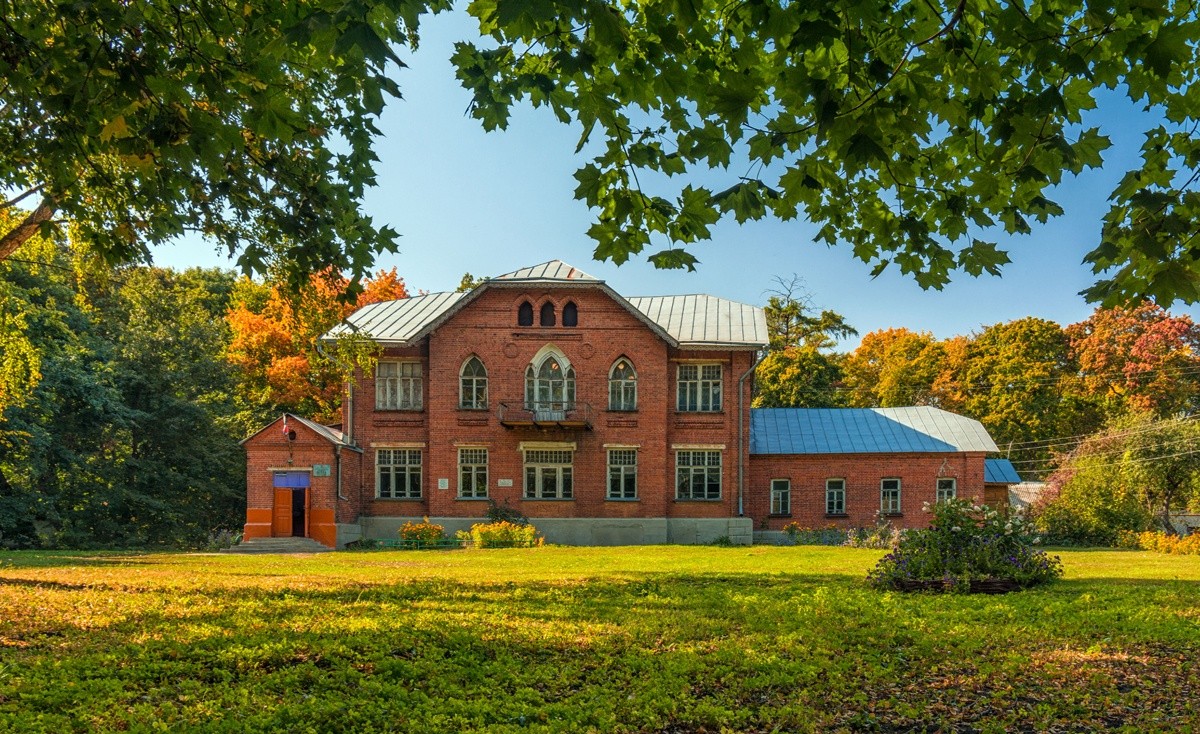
[(574, 416)]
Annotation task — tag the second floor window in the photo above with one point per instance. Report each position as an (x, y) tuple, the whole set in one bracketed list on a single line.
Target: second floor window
[(472, 393), (398, 386), (699, 387), (622, 386), (549, 387)]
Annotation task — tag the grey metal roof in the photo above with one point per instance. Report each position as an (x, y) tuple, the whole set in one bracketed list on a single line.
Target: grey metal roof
[(864, 431), (329, 433), (553, 270), (396, 321), (697, 320), (1000, 471)]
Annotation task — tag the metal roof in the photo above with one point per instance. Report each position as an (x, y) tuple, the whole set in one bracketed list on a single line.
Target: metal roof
[(553, 270), (328, 433), (396, 321), (864, 431), (1000, 471), (697, 320)]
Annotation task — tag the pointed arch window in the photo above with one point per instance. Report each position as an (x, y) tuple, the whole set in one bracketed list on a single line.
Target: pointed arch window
[(472, 385), (622, 386), (547, 314), (525, 314), (570, 314), (550, 385)]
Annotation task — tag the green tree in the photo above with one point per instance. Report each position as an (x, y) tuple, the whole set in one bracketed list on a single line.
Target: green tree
[(918, 133), (251, 123), (799, 369), (892, 368)]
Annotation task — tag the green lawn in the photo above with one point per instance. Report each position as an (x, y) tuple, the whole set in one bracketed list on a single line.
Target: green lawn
[(640, 639)]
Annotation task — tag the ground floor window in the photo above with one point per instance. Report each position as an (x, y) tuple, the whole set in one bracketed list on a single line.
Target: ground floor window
[(947, 489), (398, 473), (889, 496), (622, 474), (698, 475), (472, 473), (781, 497), (835, 496), (548, 474)]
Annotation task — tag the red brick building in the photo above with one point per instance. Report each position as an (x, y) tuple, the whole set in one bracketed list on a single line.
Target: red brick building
[(604, 419)]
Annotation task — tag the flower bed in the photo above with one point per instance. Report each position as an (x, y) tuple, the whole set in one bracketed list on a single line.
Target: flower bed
[(967, 549)]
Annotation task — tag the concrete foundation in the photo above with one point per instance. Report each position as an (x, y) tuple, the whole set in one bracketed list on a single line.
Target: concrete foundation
[(590, 531)]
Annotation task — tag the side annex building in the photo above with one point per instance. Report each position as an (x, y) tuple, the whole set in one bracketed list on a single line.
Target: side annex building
[(606, 420)]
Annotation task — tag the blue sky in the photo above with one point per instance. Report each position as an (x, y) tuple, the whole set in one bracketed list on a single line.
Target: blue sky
[(487, 203)]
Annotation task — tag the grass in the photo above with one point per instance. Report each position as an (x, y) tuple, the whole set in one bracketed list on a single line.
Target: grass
[(642, 639)]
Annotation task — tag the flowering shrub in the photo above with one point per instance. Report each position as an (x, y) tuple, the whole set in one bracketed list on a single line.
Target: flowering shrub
[(966, 544), (1160, 542), (501, 535), (883, 535), (421, 534)]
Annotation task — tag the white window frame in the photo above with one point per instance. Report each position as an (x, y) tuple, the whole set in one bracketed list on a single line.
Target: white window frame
[(549, 474), (622, 392), (699, 387), (946, 488), (622, 474), (473, 389), (835, 496), (400, 471), (399, 385), (890, 489), (781, 497), (472, 473), (698, 474)]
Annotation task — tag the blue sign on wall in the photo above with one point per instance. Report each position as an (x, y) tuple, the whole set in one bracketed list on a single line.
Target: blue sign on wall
[(292, 479)]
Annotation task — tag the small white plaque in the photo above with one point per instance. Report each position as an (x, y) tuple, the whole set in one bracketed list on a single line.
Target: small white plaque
[(503, 482), (443, 483)]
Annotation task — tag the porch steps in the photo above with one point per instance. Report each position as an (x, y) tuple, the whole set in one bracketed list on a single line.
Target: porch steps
[(278, 545)]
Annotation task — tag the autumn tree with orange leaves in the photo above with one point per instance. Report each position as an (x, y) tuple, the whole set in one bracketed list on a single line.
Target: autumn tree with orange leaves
[(275, 335)]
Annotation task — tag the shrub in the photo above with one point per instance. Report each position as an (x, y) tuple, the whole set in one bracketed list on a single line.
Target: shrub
[(1160, 542), (421, 534), (222, 539), (501, 535), (883, 535), (829, 535), (966, 546), (504, 513)]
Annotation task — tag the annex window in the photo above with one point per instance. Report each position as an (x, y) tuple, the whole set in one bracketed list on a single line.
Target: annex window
[(622, 474), (699, 387), (781, 497), (525, 314), (622, 386), (472, 473), (398, 386), (889, 496), (550, 386), (548, 474), (570, 314), (472, 385), (697, 475), (398, 474), (835, 496), (947, 489), (547, 314)]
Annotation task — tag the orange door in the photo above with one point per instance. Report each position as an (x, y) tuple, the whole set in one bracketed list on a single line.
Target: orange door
[(282, 525)]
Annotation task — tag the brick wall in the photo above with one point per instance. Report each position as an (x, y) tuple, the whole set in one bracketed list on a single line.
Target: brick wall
[(269, 451), (862, 473), (487, 328)]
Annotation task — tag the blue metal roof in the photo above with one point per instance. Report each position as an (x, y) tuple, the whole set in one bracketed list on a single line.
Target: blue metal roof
[(1000, 471), (864, 431)]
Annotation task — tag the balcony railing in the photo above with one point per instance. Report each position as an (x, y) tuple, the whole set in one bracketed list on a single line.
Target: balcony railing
[(557, 414)]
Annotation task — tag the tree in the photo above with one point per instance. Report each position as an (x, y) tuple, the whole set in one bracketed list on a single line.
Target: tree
[(892, 368), (250, 123), (275, 335), (917, 133), (798, 369), (1140, 358)]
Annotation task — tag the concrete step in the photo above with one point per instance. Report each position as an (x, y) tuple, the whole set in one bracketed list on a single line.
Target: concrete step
[(278, 545)]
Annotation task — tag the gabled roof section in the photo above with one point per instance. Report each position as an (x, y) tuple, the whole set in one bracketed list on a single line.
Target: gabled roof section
[(682, 321), (864, 431), (548, 271), (396, 322), (328, 433), (1000, 471), (701, 320)]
